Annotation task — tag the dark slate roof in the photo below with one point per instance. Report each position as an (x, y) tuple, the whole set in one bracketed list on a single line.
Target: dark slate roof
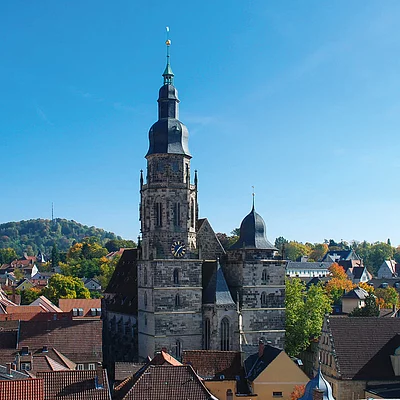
[(318, 382), (217, 291), (160, 382), (212, 364), (13, 376), (76, 385), (308, 265), (253, 234), (393, 282), (342, 254), (388, 391), (254, 364), (356, 293), (168, 135), (363, 346), (358, 272)]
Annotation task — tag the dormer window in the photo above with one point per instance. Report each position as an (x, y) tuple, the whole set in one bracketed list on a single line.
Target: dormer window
[(75, 312)]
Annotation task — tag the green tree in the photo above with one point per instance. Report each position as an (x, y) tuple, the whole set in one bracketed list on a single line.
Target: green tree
[(7, 255), (318, 252), (280, 243), (65, 287), (30, 295), (371, 308), (116, 244), (387, 297), (378, 253), (55, 256), (305, 311), (295, 250)]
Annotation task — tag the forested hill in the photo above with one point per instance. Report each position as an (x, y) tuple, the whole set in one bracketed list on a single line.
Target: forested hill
[(40, 234)]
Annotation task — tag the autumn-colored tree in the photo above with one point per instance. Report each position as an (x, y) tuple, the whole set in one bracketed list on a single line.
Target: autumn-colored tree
[(366, 287), (339, 283), (318, 252), (107, 268), (387, 297), (7, 255), (294, 250), (298, 391)]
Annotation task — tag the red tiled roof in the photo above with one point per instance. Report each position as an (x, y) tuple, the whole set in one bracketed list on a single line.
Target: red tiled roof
[(160, 382), (162, 358), (86, 304), (26, 389), (214, 363), (24, 309), (76, 385)]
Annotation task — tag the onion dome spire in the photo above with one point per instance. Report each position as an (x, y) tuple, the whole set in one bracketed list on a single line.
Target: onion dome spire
[(168, 74)]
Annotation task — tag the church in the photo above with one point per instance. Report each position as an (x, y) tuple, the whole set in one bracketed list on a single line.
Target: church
[(179, 289)]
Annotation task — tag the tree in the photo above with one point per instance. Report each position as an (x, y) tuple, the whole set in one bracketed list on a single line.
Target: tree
[(65, 287), (387, 297), (305, 313), (116, 244), (55, 256), (298, 391), (280, 244), (295, 250), (378, 253), (318, 252), (370, 309), (30, 295), (107, 269), (7, 255), (339, 283)]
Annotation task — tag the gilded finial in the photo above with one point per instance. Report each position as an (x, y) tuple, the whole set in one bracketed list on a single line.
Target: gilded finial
[(168, 74), (253, 194)]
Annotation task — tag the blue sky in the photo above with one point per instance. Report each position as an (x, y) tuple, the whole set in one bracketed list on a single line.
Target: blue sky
[(297, 98)]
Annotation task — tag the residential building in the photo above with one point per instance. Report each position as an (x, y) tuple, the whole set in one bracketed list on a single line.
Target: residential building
[(305, 269), (354, 299), (389, 269), (31, 389), (81, 308), (357, 352)]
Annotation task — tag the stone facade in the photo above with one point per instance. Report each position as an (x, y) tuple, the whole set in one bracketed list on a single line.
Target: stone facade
[(181, 296)]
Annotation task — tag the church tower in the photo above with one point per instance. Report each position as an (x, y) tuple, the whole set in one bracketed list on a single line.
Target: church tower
[(169, 269)]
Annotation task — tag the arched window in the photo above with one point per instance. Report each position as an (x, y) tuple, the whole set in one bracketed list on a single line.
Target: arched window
[(178, 349), (158, 210), (264, 299), (229, 394), (177, 214), (145, 276), (192, 214), (207, 334), (177, 300), (176, 276), (145, 320), (225, 334), (145, 299), (264, 277)]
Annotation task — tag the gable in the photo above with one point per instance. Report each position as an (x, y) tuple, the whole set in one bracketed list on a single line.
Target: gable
[(207, 242), (282, 369)]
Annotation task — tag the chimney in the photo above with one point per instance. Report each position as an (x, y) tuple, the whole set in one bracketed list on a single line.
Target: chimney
[(318, 394), (260, 348), (8, 366)]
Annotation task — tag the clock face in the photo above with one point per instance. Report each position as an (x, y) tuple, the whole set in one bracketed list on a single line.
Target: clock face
[(178, 248)]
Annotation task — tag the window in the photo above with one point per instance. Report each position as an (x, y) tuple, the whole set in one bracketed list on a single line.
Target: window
[(207, 334), (98, 311), (229, 394), (264, 300), (80, 312), (75, 312), (178, 349), (158, 214), (145, 299), (264, 277), (177, 214), (80, 367), (225, 334), (177, 300), (145, 276), (277, 394), (192, 213), (145, 320), (92, 366), (26, 366), (176, 276), (93, 312), (127, 328)]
